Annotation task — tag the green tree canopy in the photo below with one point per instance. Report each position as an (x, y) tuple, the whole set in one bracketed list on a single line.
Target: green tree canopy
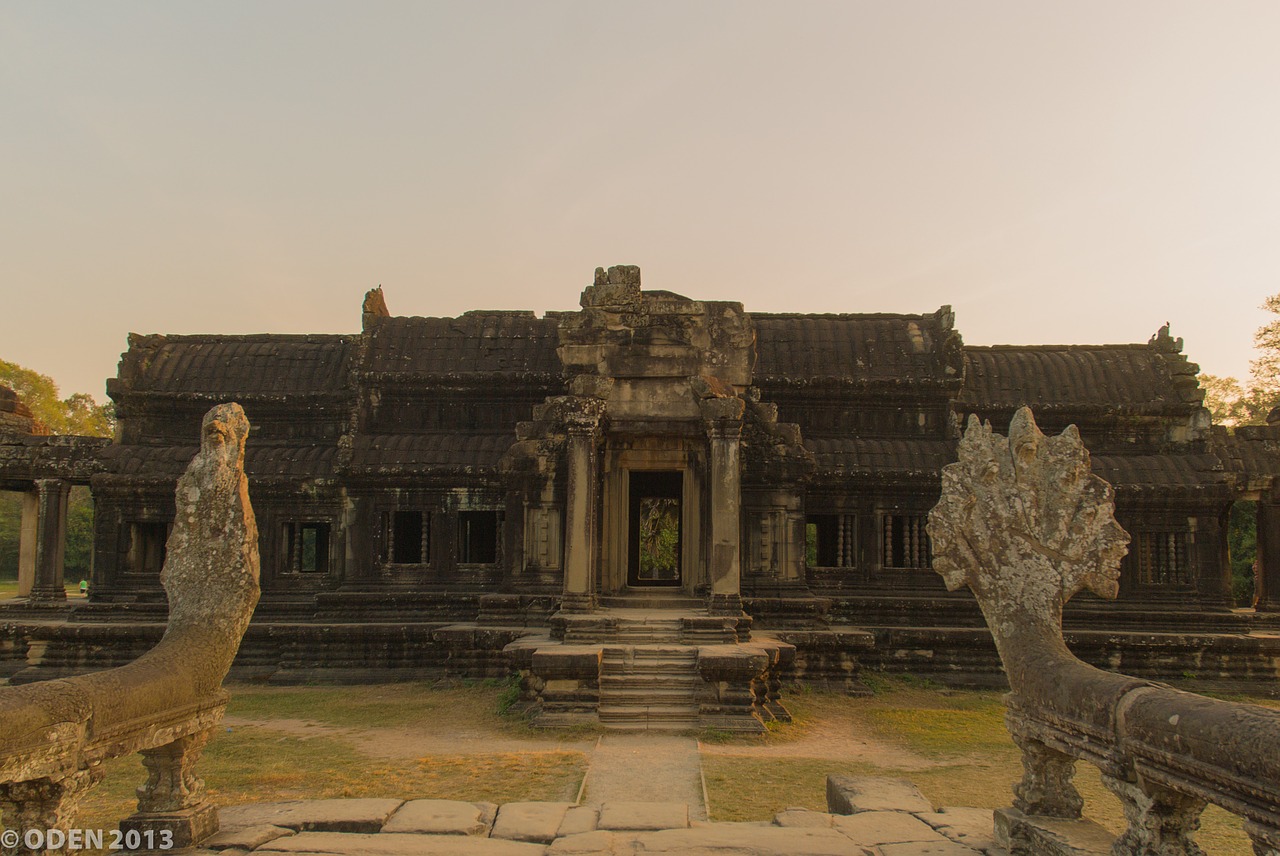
[(1234, 403), (76, 414)]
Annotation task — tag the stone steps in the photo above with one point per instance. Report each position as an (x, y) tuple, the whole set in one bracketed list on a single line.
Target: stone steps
[(649, 687)]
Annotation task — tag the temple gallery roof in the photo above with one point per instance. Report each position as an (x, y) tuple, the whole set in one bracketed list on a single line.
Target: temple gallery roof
[(397, 364), (1132, 378), (265, 364), (477, 342), (792, 350), (857, 348)]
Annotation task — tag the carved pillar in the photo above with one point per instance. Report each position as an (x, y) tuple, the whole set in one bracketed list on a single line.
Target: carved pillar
[(1211, 562), (27, 543), (51, 540), (725, 569), (45, 804), (581, 520), (173, 801), (1160, 820), (1267, 585), (1046, 788), (357, 525)]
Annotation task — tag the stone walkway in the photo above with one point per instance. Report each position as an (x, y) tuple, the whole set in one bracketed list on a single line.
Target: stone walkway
[(646, 767), (871, 817)]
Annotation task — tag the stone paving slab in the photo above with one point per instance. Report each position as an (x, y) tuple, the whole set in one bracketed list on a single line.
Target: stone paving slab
[(972, 827), (647, 766), (712, 840), (852, 794), (616, 828), (752, 841), (802, 818), (927, 848), (617, 816), (443, 817), (353, 815), (246, 838), (530, 821), (579, 819), (398, 844), (885, 827)]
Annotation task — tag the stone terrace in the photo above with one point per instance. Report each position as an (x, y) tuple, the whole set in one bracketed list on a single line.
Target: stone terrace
[(869, 817)]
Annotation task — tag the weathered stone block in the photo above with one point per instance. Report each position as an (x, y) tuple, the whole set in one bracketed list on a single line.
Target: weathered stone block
[(802, 818), (874, 828), (579, 819), (398, 844), (530, 821), (247, 837), (1024, 835), (853, 794), (643, 815), (443, 817), (355, 815), (972, 827)]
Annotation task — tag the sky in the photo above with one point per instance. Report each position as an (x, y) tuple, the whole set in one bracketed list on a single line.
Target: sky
[(1057, 172)]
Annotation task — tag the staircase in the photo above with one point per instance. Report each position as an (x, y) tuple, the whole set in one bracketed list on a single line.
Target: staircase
[(649, 685), (641, 667)]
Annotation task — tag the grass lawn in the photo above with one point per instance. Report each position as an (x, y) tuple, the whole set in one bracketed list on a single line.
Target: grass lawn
[(9, 588), (973, 762), (430, 741), (261, 762)]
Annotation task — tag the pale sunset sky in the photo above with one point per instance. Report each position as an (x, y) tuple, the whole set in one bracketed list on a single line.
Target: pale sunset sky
[(1059, 172)]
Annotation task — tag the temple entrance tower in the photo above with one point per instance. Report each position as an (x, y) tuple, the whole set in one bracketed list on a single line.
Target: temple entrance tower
[(668, 374), (647, 446)]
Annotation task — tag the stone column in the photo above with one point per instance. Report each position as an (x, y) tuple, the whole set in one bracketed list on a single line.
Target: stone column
[(27, 543), (172, 804), (51, 539), (1267, 568), (725, 569), (1213, 566), (581, 519)]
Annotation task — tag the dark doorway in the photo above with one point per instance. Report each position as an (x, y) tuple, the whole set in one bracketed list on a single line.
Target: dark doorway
[(657, 536)]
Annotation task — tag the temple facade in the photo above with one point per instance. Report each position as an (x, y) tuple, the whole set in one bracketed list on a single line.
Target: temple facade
[(501, 469)]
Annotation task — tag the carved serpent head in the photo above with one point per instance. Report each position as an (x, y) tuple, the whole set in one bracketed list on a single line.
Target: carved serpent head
[(1024, 522)]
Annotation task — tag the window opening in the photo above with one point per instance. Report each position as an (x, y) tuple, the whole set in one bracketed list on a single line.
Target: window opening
[(406, 537), (306, 547), (830, 540), (905, 543), (1162, 558), (478, 537)]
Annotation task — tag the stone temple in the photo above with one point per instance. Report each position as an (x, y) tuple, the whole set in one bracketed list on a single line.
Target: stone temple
[(457, 495)]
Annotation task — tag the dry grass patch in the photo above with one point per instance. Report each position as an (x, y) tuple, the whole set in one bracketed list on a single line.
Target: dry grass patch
[(962, 732), (257, 763)]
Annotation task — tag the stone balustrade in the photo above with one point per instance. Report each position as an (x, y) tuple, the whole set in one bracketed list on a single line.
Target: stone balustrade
[(1024, 523), (166, 703)]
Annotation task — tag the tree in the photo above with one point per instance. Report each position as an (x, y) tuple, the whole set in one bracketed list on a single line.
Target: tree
[(76, 414), (1231, 402)]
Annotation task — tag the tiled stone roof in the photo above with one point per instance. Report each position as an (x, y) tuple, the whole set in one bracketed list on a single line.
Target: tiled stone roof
[(1125, 378), (1160, 471), (410, 452), (517, 343), (850, 455), (300, 461), (238, 366), (851, 348)]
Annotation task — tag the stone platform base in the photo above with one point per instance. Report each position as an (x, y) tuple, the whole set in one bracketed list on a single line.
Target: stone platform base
[(1024, 835), (430, 827)]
